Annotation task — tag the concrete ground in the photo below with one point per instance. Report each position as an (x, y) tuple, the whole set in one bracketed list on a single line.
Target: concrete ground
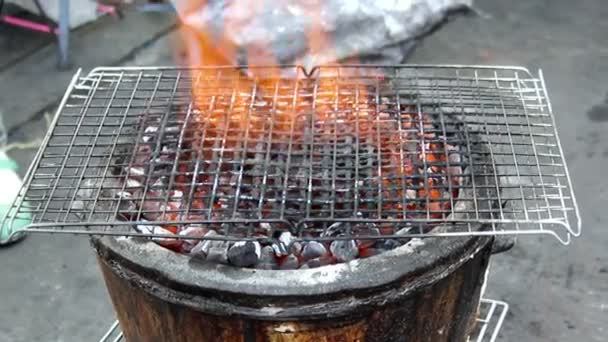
[(51, 290)]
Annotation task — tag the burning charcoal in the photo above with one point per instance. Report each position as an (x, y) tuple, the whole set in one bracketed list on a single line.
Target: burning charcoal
[(244, 253), (136, 172), (296, 248), (158, 230), (149, 133), (281, 246), (174, 244), (88, 188), (160, 183), (265, 226), (286, 238), (172, 129), (368, 252), (334, 229), (344, 250), (313, 250), (151, 209), (267, 259), (194, 231), (279, 249), (127, 208), (318, 262), (151, 229), (388, 244), (218, 253), (370, 230), (132, 183), (455, 168), (203, 246), (290, 263)]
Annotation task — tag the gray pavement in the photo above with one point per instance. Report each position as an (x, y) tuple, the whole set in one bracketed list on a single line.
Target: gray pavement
[(51, 289)]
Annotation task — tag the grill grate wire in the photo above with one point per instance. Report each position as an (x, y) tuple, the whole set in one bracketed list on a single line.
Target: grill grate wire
[(323, 153)]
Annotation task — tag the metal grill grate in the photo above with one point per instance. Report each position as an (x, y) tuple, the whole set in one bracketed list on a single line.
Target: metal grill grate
[(408, 150), (492, 316)]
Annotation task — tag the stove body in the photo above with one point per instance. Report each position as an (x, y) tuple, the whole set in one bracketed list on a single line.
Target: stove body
[(413, 293)]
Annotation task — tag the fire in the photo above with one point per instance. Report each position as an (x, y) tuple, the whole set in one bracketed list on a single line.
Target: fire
[(224, 98)]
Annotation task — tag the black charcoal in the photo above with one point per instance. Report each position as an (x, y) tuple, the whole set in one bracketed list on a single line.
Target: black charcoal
[(312, 250), (244, 253), (344, 250), (267, 259), (290, 263)]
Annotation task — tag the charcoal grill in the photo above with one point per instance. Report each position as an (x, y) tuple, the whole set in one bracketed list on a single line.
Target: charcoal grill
[(408, 154), (500, 119)]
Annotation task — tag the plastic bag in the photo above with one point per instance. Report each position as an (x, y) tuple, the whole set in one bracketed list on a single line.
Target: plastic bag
[(380, 31)]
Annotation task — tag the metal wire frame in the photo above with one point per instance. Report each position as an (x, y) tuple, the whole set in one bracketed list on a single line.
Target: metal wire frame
[(113, 334), (488, 324), (232, 128), (493, 313)]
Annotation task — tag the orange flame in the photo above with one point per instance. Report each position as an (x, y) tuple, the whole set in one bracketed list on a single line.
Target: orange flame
[(230, 92)]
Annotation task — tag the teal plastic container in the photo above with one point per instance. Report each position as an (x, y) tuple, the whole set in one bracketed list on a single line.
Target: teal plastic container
[(10, 183)]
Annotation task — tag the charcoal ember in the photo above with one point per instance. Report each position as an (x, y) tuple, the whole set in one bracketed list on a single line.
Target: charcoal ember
[(388, 244), (142, 156), (279, 249), (160, 183), (172, 130), (265, 226), (203, 246), (455, 168), (344, 250), (174, 244), (289, 263), (133, 184), (296, 248), (268, 260), (321, 261), (283, 244), (151, 208), (149, 134), (151, 229), (125, 195), (368, 252), (88, 188), (405, 231), (158, 230), (334, 229), (244, 253), (218, 253), (192, 231), (313, 250), (136, 172), (367, 230), (175, 199)]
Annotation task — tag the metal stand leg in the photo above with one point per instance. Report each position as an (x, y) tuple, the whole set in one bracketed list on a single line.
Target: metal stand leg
[(64, 33)]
